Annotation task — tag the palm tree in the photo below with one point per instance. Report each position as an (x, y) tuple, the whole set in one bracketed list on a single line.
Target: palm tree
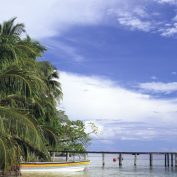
[(30, 123), (10, 29), (13, 47), (20, 133), (51, 78), (21, 86)]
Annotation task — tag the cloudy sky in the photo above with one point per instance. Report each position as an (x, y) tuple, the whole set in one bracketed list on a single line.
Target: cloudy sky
[(117, 62)]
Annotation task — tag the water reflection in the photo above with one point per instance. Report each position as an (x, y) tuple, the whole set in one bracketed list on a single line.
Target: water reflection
[(112, 172), (75, 174)]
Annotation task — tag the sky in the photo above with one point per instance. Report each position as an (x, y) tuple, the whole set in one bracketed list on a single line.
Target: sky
[(117, 62)]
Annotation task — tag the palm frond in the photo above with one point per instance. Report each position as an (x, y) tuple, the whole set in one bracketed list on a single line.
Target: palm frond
[(15, 80), (9, 153), (22, 125), (9, 28), (50, 135)]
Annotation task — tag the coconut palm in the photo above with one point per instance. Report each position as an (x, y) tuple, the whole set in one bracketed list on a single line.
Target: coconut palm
[(30, 123), (20, 89), (13, 46), (9, 28), (17, 125), (51, 78)]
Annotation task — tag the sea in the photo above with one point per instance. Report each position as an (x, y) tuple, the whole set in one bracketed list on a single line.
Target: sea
[(112, 169)]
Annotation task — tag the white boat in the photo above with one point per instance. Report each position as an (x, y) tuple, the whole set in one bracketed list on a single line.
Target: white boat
[(53, 166)]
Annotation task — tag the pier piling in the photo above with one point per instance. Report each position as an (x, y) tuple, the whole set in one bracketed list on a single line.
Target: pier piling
[(135, 159), (150, 159), (53, 156), (175, 160), (103, 162), (67, 156), (168, 160), (120, 160), (172, 160)]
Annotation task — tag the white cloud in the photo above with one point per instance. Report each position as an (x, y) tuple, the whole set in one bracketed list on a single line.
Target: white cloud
[(166, 1), (62, 49), (125, 133), (149, 131), (135, 18), (159, 87), (169, 31), (54, 17), (135, 23), (173, 73), (120, 110), (154, 78), (99, 98)]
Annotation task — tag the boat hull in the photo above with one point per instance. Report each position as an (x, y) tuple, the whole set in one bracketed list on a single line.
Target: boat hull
[(54, 167)]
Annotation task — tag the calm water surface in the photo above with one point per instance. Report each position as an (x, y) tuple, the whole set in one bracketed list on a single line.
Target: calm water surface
[(111, 168), (112, 172)]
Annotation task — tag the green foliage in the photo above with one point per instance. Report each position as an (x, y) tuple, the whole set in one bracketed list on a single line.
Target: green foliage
[(72, 134), (30, 124)]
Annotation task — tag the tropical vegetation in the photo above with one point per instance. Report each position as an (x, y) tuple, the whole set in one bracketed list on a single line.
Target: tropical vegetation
[(30, 124)]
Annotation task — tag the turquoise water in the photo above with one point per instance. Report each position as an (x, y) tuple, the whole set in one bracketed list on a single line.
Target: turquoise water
[(112, 169)]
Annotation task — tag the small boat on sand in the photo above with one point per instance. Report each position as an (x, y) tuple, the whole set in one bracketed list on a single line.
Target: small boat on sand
[(54, 166)]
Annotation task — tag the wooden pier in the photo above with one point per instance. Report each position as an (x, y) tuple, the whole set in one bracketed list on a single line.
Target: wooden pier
[(170, 158)]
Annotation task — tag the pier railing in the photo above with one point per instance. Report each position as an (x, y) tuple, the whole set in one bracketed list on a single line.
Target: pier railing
[(170, 158)]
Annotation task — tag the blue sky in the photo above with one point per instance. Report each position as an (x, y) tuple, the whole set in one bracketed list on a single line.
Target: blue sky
[(118, 65)]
